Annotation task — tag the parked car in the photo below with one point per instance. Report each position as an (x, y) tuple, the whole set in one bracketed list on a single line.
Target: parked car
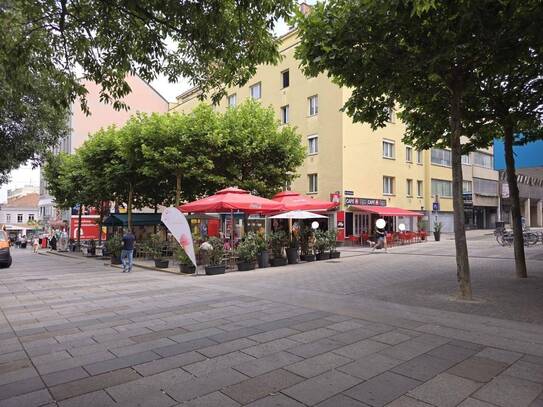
[(5, 255)]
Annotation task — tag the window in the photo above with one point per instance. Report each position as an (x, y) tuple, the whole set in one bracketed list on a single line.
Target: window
[(313, 187), (409, 187), (420, 189), (232, 100), (465, 159), (419, 157), (388, 149), (284, 114), (256, 91), (30, 217), (388, 185), (466, 187), (441, 188), (285, 78), (313, 144), (485, 187), (8, 217), (441, 157), (391, 115), (313, 105), (409, 154), (482, 159), (19, 218)]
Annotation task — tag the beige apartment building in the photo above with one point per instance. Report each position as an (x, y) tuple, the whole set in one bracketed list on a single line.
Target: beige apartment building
[(364, 167)]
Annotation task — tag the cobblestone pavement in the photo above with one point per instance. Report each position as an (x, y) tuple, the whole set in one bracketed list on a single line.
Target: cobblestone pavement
[(75, 332)]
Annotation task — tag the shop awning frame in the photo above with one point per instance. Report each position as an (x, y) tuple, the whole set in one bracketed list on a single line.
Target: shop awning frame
[(385, 211), (138, 219)]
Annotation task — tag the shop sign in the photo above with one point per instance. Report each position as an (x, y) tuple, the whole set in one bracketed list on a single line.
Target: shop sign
[(348, 193), (365, 201), (505, 190), (340, 224), (335, 197)]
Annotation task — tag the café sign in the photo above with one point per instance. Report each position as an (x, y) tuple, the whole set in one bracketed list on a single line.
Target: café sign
[(365, 201)]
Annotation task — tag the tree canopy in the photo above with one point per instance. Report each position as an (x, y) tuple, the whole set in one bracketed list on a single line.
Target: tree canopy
[(141, 164), (47, 46)]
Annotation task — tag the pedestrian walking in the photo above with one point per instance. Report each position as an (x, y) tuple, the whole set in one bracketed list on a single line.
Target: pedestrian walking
[(380, 236), (35, 244), (127, 252)]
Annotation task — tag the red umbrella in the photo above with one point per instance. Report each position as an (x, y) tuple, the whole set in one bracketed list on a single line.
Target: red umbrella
[(293, 201), (233, 199)]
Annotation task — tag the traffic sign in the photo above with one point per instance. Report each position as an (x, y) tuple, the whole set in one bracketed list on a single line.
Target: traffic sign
[(435, 206)]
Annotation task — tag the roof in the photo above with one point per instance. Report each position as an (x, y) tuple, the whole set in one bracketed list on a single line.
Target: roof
[(138, 219), (385, 210), (26, 201)]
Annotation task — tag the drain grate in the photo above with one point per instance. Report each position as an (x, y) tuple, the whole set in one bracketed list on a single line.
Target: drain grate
[(333, 261), (36, 279)]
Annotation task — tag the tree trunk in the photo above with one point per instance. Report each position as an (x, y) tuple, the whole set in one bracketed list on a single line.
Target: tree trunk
[(518, 237), (177, 190), (79, 225), (462, 261), (129, 208)]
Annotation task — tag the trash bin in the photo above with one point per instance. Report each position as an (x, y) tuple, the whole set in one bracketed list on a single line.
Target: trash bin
[(500, 224)]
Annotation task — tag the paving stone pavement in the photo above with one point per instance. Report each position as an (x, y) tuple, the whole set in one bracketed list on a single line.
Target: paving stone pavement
[(77, 332)]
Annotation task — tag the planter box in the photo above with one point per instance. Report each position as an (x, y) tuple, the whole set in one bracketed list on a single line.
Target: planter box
[(437, 236), (187, 268), (292, 255), (214, 270), (263, 260), (323, 256), (335, 255), (246, 266), (116, 260), (277, 262), (161, 264), (307, 257)]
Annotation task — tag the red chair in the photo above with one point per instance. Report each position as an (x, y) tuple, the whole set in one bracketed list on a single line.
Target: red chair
[(364, 237), (390, 239)]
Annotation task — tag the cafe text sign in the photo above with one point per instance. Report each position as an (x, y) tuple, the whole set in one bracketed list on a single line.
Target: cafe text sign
[(365, 201)]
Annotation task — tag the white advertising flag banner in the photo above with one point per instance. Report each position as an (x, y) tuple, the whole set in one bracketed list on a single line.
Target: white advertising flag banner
[(179, 227)]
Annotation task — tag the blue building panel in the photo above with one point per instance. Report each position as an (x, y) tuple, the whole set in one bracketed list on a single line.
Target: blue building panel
[(529, 155)]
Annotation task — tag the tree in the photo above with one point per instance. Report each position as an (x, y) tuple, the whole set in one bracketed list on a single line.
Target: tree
[(256, 152), (181, 148), (67, 182), (510, 97), (423, 56), (47, 46)]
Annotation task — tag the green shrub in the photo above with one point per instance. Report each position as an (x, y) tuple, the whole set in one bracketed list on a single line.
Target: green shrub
[(248, 248), (278, 241), (216, 254), (114, 245)]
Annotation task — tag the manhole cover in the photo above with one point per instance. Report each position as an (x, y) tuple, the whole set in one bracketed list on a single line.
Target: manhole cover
[(37, 279)]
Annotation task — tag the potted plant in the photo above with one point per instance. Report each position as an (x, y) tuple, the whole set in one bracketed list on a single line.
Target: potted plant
[(215, 257), (262, 255), (332, 243), (114, 246), (278, 241), (292, 249), (437, 231), (246, 251), (322, 245), (185, 263), (307, 242), (154, 247), (422, 225)]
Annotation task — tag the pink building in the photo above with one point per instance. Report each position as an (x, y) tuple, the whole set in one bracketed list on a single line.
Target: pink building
[(143, 99)]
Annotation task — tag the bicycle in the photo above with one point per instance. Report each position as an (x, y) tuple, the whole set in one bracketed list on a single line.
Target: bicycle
[(506, 238)]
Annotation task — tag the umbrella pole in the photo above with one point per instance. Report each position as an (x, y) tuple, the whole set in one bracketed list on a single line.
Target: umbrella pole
[(232, 231)]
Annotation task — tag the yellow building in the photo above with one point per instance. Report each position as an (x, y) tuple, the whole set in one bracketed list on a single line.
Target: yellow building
[(365, 167)]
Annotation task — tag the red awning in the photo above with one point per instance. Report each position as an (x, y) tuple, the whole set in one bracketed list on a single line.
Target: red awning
[(293, 201), (385, 210), (233, 199)]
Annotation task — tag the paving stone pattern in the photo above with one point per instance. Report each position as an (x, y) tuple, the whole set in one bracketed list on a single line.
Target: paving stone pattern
[(77, 332)]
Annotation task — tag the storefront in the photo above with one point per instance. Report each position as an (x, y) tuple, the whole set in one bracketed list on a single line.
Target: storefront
[(362, 213)]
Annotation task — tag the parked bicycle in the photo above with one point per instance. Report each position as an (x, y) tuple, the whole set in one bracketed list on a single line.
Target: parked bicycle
[(505, 237)]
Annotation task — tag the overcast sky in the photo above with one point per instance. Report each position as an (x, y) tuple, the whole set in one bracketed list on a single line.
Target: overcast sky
[(28, 176)]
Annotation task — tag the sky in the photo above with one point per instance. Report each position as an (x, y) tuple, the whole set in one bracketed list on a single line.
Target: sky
[(25, 175)]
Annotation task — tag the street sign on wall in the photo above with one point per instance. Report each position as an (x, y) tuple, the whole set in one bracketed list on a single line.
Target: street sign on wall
[(435, 206)]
